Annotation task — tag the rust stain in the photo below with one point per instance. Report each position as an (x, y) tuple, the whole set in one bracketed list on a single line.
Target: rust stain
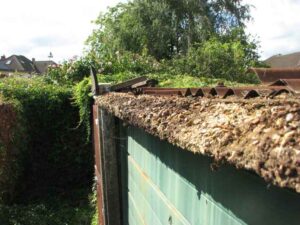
[(96, 140), (269, 75), (222, 92)]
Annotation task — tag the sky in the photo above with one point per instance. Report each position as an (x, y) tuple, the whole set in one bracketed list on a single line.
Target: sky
[(276, 23), (35, 28)]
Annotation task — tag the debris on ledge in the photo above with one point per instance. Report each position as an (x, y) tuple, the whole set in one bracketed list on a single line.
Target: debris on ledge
[(261, 135)]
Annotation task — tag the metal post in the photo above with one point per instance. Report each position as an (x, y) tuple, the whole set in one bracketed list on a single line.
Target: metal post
[(98, 166)]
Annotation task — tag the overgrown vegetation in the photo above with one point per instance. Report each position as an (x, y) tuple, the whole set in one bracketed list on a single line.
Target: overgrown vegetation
[(165, 28), (51, 121), (57, 158), (69, 72), (82, 97), (180, 43), (12, 134), (197, 38), (57, 210)]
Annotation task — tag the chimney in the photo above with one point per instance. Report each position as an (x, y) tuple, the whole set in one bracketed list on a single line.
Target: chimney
[(33, 60), (3, 57)]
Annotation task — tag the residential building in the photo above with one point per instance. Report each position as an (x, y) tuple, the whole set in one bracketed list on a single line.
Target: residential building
[(21, 64), (42, 66), (284, 61)]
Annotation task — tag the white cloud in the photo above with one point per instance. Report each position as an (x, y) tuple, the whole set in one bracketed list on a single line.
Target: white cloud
[(277, 24), (35, 27)]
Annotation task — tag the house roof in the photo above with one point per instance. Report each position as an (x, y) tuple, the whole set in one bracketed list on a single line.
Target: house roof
[(3, 67), (26, 63), (255, 128), (18, 63), (284, 61), (42, 66)]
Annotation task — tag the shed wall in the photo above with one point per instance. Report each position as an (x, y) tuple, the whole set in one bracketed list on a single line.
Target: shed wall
[(162, 184)]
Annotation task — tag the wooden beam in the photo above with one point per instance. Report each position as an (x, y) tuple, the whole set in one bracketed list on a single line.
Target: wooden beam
[(109, 168), (95, 87)]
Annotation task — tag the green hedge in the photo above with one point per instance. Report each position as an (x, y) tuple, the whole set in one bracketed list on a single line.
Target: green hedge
[(58, 157), (11, 150)]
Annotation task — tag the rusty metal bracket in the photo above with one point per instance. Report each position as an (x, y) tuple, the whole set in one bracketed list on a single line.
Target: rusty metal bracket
[(133, 84)]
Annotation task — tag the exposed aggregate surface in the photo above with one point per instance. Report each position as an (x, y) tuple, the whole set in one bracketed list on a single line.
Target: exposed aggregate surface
[(261, 135)]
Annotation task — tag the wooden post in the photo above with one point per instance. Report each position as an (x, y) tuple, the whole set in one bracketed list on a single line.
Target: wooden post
[(106, 168), (95, 87), (109, 168)]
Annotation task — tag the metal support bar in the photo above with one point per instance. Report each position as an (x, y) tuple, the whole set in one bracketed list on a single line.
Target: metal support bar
[(98, 166), (127, 84)]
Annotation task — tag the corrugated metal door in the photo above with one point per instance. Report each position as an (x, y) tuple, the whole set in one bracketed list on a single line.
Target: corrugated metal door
[(165, 185)]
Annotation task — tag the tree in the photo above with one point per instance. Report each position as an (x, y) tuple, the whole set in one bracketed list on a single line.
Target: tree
[(195, 37), (164, 28)]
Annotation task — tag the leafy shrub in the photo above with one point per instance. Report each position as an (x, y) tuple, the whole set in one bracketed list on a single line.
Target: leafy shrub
[(168, 80), (125, 61), (11, 150), (117, 77), (219, 58), (199, 39), (215, 58), (53, 211), (57, 156), (188, 81), (69, 72), (82, 97)]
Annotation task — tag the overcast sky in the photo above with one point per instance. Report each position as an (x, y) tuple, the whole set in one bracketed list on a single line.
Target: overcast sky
[(34, 27)]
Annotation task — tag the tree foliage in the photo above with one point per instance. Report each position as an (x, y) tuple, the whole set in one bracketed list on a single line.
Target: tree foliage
[(227, 57), (69, 72), (164, 28), (196, 37)]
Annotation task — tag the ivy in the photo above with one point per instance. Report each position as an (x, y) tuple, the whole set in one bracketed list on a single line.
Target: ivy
[(82, 97)]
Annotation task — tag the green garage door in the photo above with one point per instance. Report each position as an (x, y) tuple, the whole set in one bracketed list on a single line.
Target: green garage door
[(165, 185)]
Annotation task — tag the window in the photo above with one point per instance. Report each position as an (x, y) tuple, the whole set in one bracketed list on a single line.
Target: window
[(8, 62)]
